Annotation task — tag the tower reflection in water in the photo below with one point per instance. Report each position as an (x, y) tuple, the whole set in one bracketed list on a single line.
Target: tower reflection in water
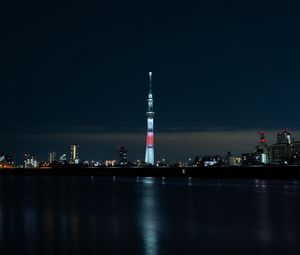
[(149, 216)]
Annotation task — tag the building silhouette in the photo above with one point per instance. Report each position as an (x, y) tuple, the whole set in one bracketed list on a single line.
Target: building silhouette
[(262, 149), (281, 151), (52, 157), (123, 156), (261, 154)]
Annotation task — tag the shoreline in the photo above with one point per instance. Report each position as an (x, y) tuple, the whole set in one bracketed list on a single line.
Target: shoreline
[(277, 172)]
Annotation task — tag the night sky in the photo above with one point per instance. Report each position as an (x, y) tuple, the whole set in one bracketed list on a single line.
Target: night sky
[(76, 72)]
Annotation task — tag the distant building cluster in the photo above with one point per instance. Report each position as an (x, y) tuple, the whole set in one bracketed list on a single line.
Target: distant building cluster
[(6, 161), (30, 161), (73, 160), (286, 151)]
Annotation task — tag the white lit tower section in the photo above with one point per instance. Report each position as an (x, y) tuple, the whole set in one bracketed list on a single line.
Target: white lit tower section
[(149, 156)]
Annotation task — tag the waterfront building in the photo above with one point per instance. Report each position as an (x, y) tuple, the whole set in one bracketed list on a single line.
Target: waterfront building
[(232, 160), (262, 149), (110, 163), (149, 155), (30, 161), (6, 161), (261, 154), (51, 157), (249, 159), (284, 137), (5, 158), (123, 156), (74, 154), (63, 159), (281, 152), (208, 160)]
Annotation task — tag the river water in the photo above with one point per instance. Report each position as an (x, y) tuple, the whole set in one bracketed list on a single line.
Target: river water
[(137, 215)]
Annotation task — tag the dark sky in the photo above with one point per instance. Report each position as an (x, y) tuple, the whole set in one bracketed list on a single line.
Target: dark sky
[(76, 72)]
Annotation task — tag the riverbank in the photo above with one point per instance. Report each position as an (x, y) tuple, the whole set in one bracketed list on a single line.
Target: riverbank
[(284, 172)]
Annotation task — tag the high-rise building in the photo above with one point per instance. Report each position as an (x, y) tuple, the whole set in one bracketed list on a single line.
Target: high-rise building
[(149, 155), (262, 149), (74, 154), (123, 156), (51, 157), (282, 150), (284, 137)]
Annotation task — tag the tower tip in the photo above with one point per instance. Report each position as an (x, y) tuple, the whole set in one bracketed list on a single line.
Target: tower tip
[(150, 80)]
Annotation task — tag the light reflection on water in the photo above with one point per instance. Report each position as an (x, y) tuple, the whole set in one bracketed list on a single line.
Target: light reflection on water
[(264, 231), (145, 215), (149, 180), (148, 219)]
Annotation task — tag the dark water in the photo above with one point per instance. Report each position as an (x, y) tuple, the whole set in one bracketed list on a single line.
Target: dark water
[(86, 215)]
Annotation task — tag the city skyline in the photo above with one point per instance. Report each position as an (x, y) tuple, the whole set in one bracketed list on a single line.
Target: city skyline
[(249, 138), (76, 74)]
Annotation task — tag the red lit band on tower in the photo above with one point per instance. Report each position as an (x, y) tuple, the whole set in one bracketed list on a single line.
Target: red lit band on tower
[(149, 155), (150, 139)]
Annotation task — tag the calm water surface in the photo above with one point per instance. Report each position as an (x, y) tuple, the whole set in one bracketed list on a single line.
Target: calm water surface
[(97, 215)]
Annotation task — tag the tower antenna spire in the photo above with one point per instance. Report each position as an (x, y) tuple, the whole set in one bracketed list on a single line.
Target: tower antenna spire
[(150, 81)]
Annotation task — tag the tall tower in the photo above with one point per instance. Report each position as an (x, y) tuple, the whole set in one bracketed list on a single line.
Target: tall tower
[(149, 156)]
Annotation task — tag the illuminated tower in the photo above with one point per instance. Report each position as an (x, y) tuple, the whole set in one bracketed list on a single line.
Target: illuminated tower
[(149, 156)]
